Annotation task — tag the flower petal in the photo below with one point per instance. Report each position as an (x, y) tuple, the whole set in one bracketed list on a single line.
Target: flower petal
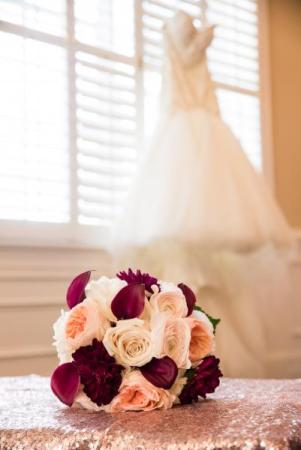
[(99, 374), (132, 277), (202, 380), (65, 383), (76, 290), (161, 372), (189, 296), (128, 303)]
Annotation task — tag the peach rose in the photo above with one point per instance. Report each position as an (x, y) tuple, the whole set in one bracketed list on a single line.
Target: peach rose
[(130, 342), (84, 323), (172, 303), (138, 394), (202, 336), (78, 327), (176, 340)]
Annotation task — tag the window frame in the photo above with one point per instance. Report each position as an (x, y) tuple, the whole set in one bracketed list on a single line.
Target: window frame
[(73, 234)]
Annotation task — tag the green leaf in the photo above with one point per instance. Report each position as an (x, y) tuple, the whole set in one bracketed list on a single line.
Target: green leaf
[(213, 320), (189, 374)]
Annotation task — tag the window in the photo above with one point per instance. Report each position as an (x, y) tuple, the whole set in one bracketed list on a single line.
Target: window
[(79, 88)]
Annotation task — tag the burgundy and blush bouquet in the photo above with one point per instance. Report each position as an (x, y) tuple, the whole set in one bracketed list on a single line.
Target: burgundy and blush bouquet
[(133, 343)]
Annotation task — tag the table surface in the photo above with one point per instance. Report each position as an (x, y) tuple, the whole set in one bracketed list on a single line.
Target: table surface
[(245, 414)]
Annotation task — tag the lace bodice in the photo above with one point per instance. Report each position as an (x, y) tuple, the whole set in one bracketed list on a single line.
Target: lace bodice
[(186, 80)]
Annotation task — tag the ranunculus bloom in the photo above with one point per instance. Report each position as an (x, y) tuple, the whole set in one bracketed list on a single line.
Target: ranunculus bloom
[(172, 303), (137, 394), (98, 371), (78, 327), (202, 336), (138, 277), (130, 342), (204, 381), (176, 340), (103, 291)]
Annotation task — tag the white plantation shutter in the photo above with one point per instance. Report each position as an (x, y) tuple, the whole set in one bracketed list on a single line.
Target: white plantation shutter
[(234, 64), (106, 130), (79, 89), (106, 110)]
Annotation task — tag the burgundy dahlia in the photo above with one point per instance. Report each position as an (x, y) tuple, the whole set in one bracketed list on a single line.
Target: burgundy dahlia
[(138, 277), (202, 380), (99, 373)]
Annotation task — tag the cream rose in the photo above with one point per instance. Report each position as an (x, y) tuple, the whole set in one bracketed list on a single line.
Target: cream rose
[(138, 394), (202, 336), (78, 327), (130, 342), (178, 386), (172, 303), (176, 340), (103, 291)]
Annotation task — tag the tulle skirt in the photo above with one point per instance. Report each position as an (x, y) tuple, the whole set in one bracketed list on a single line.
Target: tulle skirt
[(195, 184)]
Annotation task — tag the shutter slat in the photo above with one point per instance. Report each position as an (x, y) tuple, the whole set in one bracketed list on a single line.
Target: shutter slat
[(103, 68), (106, 99), (109, 129), (104, 196), (102, 84), (112, 142), (106, 153), (103, 113)]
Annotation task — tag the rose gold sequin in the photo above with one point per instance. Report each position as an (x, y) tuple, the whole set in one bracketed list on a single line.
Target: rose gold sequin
[(242, 414)]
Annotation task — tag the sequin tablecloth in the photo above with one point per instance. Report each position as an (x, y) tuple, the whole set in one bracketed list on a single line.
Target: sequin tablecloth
[(242, 414)]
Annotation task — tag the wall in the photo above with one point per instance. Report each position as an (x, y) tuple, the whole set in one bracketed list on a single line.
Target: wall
[(33, 285), (285, 74)]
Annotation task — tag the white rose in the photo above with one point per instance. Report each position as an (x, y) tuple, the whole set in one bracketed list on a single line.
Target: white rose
[(103, 291), (60, 342), (168, 286), (178, 386), (130, 342), (83, 401)]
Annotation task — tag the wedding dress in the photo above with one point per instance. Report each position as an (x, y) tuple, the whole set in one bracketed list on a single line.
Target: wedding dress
[(199, 213)]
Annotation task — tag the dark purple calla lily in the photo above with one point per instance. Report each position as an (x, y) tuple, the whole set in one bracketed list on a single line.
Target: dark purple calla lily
[(189, 296), (65, 383), (76, 290), (161, 372), (129, 302)]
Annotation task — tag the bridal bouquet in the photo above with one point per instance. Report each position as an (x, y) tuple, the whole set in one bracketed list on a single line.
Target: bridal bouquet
[(133, 343)]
